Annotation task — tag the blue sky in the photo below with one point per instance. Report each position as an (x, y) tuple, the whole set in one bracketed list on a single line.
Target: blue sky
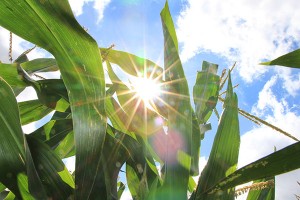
[(247, 31)]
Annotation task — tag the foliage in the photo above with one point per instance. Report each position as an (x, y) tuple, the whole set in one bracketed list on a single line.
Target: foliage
[(106, 126)]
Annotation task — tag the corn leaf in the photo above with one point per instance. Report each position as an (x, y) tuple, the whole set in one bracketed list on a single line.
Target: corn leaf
[(279, 162), (48, 166), (132, 64), (52, 26), (262, 191), (12, 154), (224, 154), (15, 157), (177, 163), (9, 73), (205, 91), (40, 65), (291, 59), (32, 110)]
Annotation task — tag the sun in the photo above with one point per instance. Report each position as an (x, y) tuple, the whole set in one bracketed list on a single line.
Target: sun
[(146, 89)]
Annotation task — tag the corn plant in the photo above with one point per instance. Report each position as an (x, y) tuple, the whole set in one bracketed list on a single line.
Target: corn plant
[(108, 125)]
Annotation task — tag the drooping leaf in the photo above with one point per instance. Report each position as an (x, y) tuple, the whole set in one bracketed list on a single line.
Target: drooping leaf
[(177, 162), (291, 59), (132, 64), (279, 162), (40, 65), (52, 26), (224, 154), (206, 91), (32, 110), (9, 73)]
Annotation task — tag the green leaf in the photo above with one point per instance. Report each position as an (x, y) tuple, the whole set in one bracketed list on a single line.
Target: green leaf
[(48, 166), (10, 74), (40, 65), (132, 64), (12, 154), (179, 115), (32, 110), (121, 188), (264, 190), (14, 146), (282, 161), (291, 59), (52, 26), (23, 186), (206, 90), (223, 157)]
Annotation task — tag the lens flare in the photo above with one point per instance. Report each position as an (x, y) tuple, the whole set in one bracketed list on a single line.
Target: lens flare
[(146, 89)]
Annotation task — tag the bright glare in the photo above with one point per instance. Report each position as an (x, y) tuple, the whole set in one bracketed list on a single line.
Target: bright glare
[(146, 89)]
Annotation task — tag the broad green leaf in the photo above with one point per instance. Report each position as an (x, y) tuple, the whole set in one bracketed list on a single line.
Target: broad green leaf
[(223, 157), (132, 181), (23, 186), (205, 91), (52, 26), (132, 64), (282, 161), (13, 146), (2, 187), (66, 147), (264, 190), (291, 59), (48, 166), (179, 115), (10, 74), (32, 110), (10, 196), (40, 65), (12, 154)]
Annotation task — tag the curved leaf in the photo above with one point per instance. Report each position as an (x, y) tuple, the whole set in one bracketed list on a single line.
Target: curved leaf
[(52, 26), (40, 65), (33, 110), (132, 64), (282, 161)]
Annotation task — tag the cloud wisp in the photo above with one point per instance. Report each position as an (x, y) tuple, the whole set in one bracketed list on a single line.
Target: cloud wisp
[(98, 5), (246, 31)]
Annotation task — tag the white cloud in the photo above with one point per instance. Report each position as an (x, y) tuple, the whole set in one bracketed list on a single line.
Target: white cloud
[(99, 6), (245, 31), (291, 80), (77, 6), (260, 141)]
